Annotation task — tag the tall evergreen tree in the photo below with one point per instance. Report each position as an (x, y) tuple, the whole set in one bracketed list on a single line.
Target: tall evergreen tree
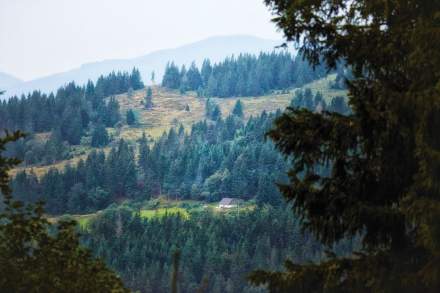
[(149, 99), (194, 79), (383, 156), (135, 80), (238, 109), (171, 77), (112, 115), (33, 258), (216, 113), (130, 117), (99, 136)]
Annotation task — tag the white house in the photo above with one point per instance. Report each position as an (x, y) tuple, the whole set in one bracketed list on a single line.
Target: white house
[(227, 203)]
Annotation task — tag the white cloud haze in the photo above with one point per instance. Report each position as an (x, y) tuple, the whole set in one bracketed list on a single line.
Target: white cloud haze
[(41, 37)]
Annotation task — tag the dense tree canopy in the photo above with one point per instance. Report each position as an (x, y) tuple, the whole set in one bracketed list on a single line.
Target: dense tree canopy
[(218, 249), (245, 75), (221, 158), (383, 156), (72, 107), (36, 256), (130, 117)]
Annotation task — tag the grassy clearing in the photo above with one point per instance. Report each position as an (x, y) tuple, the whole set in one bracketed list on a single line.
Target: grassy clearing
[(39, 171), (161, 212), (161, 207), (84, 220)]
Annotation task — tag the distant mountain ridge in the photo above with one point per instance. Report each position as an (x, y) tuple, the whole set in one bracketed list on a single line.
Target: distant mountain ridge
[(214, 48), (8, 81)]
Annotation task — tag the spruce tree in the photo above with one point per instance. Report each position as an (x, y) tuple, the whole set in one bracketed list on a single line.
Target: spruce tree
[(135, 81), (382, 156), (216, 113), (99, 136), (130, 117), (111, 114), (149, 99), (172, 76), (238, 109), (37, 256)]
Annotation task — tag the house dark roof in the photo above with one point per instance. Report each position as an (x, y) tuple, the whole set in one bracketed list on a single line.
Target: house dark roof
[(228, 201)]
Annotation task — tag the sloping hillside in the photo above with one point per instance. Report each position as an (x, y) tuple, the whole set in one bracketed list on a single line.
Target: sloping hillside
[(170, 110)]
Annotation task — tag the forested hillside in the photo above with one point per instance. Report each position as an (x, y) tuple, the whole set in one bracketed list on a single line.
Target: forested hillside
[(217, 250), (312, 172), (117, 142), (219, 157), (216, 159), (245, 75)]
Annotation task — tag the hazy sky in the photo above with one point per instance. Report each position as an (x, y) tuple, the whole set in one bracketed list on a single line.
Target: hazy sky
[(40, 37)]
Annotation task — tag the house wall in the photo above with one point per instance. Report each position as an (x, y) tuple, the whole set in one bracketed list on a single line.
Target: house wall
[(227, 206)]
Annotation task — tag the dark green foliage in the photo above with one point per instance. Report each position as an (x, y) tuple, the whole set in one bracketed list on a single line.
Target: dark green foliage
[(339, 105), (209, 107), (171, 77), (175, 277), (121, 168), (130, 117), (238, 109), (112, 114), (316, 103), (212, 110), (215, 160), (135, 80), (67, 114), (191, 80), (71, 110), (54, 149), (32, 259), (342, 75), (383, 157), (35, 151), (99, 136), (93, 184), (216, 113), (216, 250), (149, 99), (246, 75)]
